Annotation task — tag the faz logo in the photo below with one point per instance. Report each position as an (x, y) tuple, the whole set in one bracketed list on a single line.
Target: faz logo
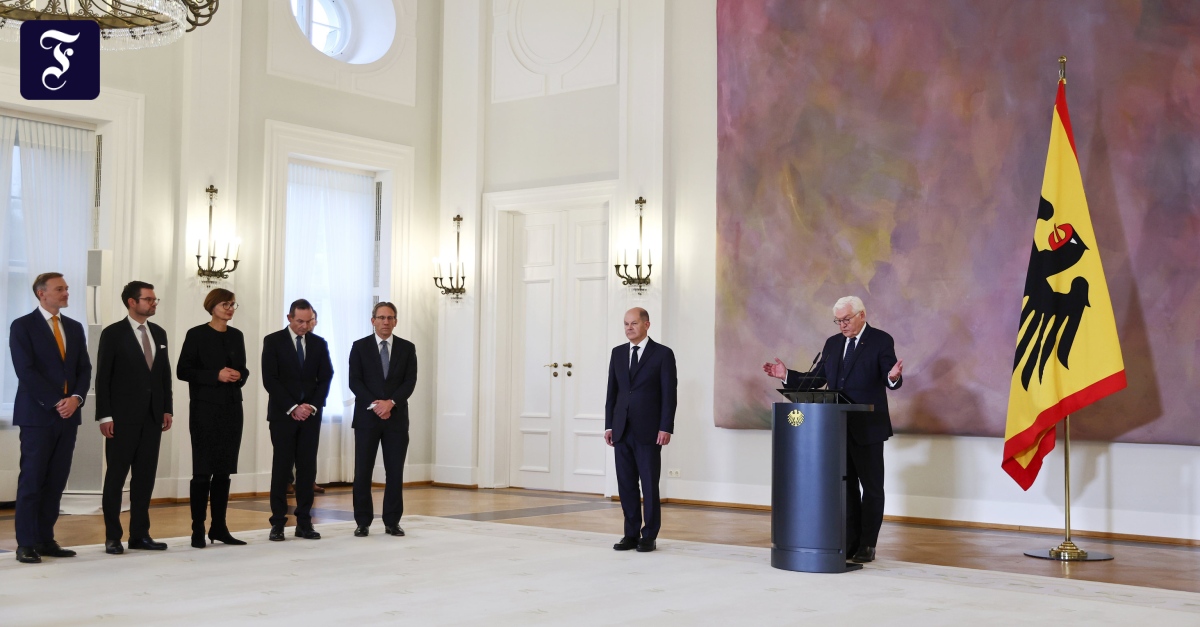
[(60, 60)]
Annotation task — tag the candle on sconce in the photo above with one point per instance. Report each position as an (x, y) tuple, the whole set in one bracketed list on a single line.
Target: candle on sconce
[(237, 255), (212, 248), (460, 270), (639, 257), (198, 243), (648, 259), (437, 268), (227, 251)]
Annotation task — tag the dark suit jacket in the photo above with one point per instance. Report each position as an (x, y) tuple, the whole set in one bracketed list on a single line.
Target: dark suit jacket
[(643, 404), (125, 388), (41, 370), (368, 384), (286, 382), (204, 354), (866, 381)]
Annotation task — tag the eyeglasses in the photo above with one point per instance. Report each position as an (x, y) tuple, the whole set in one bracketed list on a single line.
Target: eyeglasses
[(152, 301), (386, 318), (846, 320), (227, 305)]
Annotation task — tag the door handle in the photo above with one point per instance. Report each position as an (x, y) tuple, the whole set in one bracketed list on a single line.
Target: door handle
[(567, 365), (553, 365)]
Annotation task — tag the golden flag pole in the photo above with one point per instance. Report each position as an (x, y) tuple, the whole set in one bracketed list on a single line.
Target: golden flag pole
[(1067, 551)]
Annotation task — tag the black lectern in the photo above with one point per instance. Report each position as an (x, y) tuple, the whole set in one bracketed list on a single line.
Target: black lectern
[(808, 481)]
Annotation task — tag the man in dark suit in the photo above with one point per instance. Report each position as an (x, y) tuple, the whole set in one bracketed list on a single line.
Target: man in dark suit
[(296, 372), (860, 361), (639, 418), (383, 374), (133, 407), (50, 359)]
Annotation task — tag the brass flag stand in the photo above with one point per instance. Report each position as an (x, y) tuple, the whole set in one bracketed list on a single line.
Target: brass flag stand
[(1067, 551)]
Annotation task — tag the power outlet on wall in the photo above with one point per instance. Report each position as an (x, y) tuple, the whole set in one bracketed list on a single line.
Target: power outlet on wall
[(673, 473)]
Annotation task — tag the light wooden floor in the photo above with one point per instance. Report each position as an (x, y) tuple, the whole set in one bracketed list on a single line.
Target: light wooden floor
[(1138, 564)]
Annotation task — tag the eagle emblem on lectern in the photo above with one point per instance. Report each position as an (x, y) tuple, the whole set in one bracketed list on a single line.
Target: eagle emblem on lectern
[(795, 418)]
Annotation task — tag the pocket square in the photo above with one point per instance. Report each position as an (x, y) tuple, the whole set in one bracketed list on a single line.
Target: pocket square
[(162, 345)]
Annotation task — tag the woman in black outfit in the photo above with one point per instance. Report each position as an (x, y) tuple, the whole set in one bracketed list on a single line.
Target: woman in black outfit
[(213, 362)]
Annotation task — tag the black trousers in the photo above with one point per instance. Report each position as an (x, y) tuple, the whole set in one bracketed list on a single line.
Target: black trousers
[(45, 464), (294, 443), (864, 512), (367, 442), (133, 448), (639, 462)]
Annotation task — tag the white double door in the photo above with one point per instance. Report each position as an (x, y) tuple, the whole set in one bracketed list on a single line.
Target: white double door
[(559, 352)]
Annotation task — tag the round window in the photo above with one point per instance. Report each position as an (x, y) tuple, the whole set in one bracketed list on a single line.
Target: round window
[(351, 31), (324, 23)]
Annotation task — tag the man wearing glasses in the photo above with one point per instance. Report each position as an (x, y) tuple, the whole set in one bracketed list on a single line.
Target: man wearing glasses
[(133, 406), (860, 361), (383, 374)]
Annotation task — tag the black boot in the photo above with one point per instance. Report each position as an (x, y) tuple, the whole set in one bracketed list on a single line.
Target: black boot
[(219, 532), (199, 502)]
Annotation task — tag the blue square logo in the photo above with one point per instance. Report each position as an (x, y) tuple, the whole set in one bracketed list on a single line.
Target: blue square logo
[(60, 60)]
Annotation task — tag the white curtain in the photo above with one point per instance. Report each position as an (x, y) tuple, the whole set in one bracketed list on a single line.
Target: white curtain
[(46, 200), (329, 254)]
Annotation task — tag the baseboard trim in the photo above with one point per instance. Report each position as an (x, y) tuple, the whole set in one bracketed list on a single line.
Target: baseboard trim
[(964, 524), (749, 506), (1099, 535), (456, 486)]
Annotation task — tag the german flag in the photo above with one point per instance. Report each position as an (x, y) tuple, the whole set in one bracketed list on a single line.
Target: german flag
[(1068, 355)]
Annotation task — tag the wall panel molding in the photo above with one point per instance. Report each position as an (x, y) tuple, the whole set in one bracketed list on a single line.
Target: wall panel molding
[(546, 47)]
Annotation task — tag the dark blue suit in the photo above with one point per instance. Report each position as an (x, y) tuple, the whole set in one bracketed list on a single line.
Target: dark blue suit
[(640, 403), (371, 433), (47, 439), (862, 375)]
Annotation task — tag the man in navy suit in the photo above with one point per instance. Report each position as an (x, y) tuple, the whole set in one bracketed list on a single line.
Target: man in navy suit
[(860, 361), (296, 372), (50, 358), (639, 418), (383, 374)]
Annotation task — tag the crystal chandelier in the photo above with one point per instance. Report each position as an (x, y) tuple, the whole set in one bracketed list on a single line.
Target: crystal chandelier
[(124, 24)]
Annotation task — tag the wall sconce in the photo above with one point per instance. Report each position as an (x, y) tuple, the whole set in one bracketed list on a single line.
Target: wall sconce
[(209, 273), (636, 281), (452, 283)]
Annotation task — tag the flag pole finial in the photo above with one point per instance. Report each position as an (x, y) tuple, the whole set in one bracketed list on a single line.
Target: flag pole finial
[(1062, 70)]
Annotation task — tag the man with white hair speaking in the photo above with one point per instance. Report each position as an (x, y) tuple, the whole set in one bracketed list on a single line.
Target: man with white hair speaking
[(860, 361)]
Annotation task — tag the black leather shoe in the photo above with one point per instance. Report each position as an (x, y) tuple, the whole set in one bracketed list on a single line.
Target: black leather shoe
[(52, 549), (276, 534), (361, 532), (645, 546), (28, 555), (393, 530), (626, 544), (113, 547), (147, 544), (864, 555), (307, 532)]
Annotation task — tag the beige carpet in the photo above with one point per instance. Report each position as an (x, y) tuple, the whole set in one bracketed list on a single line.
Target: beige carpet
[(453, 572)]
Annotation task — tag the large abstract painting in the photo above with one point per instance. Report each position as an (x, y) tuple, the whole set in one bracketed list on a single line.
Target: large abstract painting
[(895, 151)]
